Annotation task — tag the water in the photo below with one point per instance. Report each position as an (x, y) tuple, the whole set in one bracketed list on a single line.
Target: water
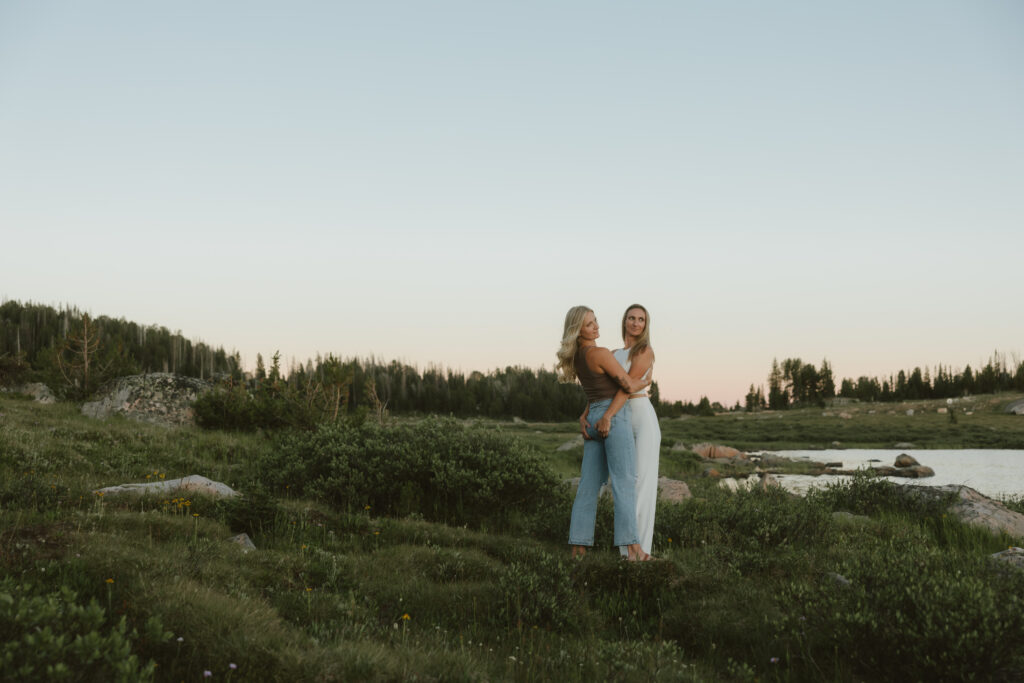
[(994, 473)]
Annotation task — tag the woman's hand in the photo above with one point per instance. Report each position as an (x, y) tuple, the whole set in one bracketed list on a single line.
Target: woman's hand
[(584, 425), (604, 425)]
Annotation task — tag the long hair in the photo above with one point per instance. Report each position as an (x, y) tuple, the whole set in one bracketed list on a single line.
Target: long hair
[(566, 366), (644, 340)]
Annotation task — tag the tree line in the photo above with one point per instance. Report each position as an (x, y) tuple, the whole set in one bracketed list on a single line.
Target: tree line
[(794, 383), (75, 354)]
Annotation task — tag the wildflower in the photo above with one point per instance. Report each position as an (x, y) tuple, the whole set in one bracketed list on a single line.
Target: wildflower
[(512, 657), (366, 507), (774, 660), (406, 617), (308, 589), (148, 476), (232, 666), (195, 514), (304, 546), (162, 475), (670, 540), (181, 639), (207, 673), (110, 581), (376, 533)]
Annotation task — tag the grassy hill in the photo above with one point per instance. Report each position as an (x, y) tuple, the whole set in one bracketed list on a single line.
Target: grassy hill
[(396, 578)]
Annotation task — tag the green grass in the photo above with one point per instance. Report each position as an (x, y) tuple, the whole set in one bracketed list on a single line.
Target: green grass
[(338, 592)]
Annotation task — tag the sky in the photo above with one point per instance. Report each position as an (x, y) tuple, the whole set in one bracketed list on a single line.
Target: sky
[(439, 182)]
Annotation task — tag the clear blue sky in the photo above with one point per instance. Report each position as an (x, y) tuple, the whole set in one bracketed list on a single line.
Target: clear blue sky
[(439, 182)]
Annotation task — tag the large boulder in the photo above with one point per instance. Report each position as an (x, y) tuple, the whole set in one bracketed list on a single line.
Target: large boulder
[(904, 460), (673, 490), (1016, 408), (194, 483), (159, 398), (972, 508)]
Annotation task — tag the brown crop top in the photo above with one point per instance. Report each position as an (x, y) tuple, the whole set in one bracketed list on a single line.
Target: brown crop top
[(597, 387)]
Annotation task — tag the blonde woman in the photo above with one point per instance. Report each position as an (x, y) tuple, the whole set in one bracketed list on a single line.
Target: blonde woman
[(609, 448)]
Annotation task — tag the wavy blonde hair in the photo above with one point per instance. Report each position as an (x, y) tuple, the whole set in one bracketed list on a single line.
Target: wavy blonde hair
[(645, 339), (566, 367)]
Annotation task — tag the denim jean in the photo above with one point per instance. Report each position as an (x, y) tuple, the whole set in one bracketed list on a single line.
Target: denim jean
[(614, 455)]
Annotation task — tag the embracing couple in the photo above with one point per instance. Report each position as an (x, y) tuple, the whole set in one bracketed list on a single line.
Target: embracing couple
[(620, 428)]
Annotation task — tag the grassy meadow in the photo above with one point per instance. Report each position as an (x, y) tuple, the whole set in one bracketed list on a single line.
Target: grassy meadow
[(435, 550)]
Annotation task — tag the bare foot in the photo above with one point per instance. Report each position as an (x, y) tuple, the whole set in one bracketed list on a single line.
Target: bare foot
[(578, 551)]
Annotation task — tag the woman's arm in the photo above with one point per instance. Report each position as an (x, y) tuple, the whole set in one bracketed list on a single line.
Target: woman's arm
[(602, 360), (637, 369)]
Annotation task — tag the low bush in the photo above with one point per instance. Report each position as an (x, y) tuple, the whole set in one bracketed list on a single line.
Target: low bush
[(436, 468), (54, 637), (910, 613)]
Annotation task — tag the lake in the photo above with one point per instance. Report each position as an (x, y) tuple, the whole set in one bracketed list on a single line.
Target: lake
[(994, 473)]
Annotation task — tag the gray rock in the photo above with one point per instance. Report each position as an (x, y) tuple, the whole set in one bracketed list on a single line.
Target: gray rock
[(571, 444), (673, 490), (904, 444), (904, 460), (37, 390), (1015, 408), (839, 579), (1012, 557), (158, 398), (844, 517), (244, 541), (193, 484), (970, 507)]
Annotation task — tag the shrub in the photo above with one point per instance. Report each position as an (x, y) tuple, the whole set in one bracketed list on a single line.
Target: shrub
[(911, 613), (436, 468), (54, 637), (272, 405), (867, 494)]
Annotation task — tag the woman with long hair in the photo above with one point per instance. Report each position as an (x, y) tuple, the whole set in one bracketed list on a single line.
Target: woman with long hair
[(609, 448), (637, 358)]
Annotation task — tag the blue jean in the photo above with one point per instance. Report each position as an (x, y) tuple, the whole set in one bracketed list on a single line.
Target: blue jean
[(614, 455)]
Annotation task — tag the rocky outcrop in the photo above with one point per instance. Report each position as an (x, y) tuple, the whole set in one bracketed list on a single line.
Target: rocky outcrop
[(39, 392), (710, 451), (1016, 408), (194, 483), (905, 466), (970, 507), (1011, 557), (159, 398)]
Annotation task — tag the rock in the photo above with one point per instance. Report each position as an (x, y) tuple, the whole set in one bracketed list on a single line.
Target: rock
[(844, 517), (910, 412), (37, 390), (834, 465), (158, 398), (1012, 556), (711, 473), (904, 460), (846, 416), (915, 472), (942, 411), (673, 490), (836, 444), (730, 484), (904, 444), (970, 507), (244, 541), (572, 444), (712, 451), (193, 484), (679, 446), (1015, 408), (518, 421), (839, 579)]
